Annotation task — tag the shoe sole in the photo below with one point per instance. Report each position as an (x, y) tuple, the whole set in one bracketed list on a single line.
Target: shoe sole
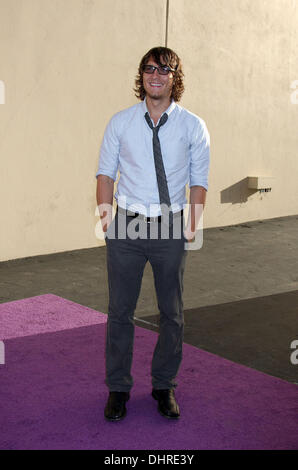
[(112, 420), (166, 416)]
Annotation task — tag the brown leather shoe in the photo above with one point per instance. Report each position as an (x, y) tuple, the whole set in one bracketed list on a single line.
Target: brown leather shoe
[(115, 409), (167, 405)]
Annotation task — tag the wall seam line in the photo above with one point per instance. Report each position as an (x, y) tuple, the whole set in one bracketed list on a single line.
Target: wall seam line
[(167, 21)]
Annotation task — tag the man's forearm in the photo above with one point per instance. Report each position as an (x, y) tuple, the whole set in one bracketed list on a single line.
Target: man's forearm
[(104, 197), (197, 200)]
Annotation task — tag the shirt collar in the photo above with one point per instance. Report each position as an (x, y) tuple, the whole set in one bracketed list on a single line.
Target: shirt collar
[(168, 111)]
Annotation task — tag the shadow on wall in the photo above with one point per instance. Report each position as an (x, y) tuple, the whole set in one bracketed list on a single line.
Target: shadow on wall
[(238, 192)]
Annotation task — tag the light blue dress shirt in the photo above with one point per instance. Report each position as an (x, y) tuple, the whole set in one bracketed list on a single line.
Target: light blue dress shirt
[(127, 147)]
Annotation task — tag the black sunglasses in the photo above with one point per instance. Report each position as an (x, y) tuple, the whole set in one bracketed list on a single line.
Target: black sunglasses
[(162, 70)]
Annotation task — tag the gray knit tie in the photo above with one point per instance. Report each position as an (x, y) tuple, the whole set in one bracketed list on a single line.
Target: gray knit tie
[(163, 189)]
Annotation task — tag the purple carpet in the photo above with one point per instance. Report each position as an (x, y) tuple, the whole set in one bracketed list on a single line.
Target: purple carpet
[(44, 314), (52, 392)]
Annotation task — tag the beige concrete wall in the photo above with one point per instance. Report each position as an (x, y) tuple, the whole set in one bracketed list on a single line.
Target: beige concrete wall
[(240, 58), (68, 65)]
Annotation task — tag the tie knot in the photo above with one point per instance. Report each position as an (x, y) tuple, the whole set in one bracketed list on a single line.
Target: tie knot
[(162, 121)]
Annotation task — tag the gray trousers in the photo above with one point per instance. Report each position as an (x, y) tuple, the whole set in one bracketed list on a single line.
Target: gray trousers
[(126, 260)]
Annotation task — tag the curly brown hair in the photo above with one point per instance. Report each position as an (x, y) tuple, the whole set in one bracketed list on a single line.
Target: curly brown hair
[(171, 59)]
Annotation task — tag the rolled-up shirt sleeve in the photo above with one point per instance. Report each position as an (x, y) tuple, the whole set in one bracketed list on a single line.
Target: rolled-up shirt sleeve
[(109, 151), (199, 155)]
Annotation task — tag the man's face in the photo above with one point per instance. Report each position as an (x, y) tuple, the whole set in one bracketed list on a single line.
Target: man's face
[(157, 86)]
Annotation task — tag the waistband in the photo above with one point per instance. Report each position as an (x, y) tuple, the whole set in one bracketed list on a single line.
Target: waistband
[(158, 218)]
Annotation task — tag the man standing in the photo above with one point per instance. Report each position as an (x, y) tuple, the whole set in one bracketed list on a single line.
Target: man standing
[(158, 147)]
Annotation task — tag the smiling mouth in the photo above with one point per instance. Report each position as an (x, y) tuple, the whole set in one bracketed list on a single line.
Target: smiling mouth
[(155, 84)]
